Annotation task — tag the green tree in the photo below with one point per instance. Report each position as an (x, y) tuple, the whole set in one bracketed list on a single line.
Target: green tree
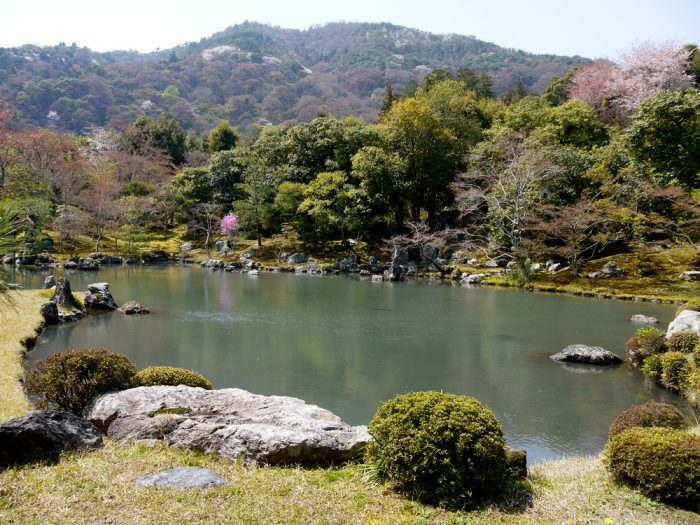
[(193, 184), (664, 134), (414, 132), (254, 208), (223, 137), (388, 100)]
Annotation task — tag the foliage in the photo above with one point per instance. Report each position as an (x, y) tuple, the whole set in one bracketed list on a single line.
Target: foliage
[(222, 138), (439, 448), (650, 414), (229, 224), (664, 133), (693, 304), (684, 342), (648, 341), (170, 376), (74, 378), (663, 463)]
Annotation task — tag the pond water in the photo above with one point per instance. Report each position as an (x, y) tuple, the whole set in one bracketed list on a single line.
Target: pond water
[(348, 344)]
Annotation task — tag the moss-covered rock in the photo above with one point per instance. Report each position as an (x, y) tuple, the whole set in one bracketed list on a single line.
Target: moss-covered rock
[(171, 376), (650, 414), (663, 463), (648, 341), (693, 304), (438, 448)]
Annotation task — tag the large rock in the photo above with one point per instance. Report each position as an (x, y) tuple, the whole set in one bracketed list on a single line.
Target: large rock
[(49, 282), (686, 321), (183, 477), (63, 295), (88, 264), (49, 311), (155, 257), (231, 422), (222, 248), (43, 435), (593, 355), (297, 258), (99, 297)]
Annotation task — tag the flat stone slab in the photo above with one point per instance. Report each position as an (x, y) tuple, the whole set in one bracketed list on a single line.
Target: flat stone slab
[(183, 477), (230, 422), (593, 355), (643, 319)]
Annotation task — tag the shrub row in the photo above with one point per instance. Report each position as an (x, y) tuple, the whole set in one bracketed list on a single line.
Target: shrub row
[(71, 380)]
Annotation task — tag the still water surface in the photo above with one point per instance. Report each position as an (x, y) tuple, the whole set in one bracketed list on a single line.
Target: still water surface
[(348, 345)]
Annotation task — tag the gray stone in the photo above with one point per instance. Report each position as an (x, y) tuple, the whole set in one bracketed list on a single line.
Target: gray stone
[(222, 248), (43, 435), (231, 422), (593, 355), (610, 269), (643, 319), (133, 308), (99, 297), (88, 264), (49, 282), (686, 321), (473, 262), (49, 311), (63, 295), (297, 258), (474, 279), (377, 278), (693, 275), (186, 246), (300, 268), (183, 477), (8, 259), (491, 263), (155, 257), (399, 260), (70, 265), (111, 259), (212, 264)]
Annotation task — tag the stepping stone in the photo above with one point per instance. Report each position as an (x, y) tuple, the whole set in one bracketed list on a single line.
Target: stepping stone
[(183, 477)]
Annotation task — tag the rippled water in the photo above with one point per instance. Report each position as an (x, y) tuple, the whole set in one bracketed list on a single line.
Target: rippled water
[(348, 345)]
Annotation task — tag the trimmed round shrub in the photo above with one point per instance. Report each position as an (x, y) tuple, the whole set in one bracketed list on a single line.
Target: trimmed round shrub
[(438, 448), (683, 342), (171, 376), (675, 370), (648, 341), (650, 414), (662, 463), (72, 379), (693, 304)]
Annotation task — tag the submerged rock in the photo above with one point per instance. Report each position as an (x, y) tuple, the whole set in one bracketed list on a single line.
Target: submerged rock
[(43, 435), (643, 319), (183, 477), (593, 355), (231, 422), (132, 308)]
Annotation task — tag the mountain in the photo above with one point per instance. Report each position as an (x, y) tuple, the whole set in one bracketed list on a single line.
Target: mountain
[(251, 74)]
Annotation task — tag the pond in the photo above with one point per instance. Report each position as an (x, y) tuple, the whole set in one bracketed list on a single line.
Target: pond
[(347, 345)]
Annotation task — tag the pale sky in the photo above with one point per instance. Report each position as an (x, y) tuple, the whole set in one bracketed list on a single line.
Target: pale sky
[(592, 28)]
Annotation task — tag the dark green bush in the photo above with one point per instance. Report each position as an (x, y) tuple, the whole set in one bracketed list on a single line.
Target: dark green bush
[(652, 367), (171, 376), (683, 342), (663, 463), (675, 370), (72, 379), (438, 448), (650, 414), (648, 341), (693, 304)]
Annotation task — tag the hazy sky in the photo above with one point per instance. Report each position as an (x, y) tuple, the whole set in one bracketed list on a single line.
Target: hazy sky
[(592, 28)]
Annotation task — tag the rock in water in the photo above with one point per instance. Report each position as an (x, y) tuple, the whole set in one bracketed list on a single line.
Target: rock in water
[(231, 422), (686, 321), (183, 477), (132, 307), (99, 297), (643, 319), (593, 355), (43, 435), (62, 295)]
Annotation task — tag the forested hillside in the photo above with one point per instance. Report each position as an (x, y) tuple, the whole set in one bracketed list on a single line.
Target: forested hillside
[(252, 74)]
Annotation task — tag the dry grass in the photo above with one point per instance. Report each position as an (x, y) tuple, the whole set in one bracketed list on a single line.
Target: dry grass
[(97, 487), (19, 320)]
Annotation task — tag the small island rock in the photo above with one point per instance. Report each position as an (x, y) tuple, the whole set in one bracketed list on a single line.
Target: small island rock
[(132, 308), (644, 319), (593, 355)]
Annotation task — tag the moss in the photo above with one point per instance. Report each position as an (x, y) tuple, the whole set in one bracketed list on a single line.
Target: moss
[(650, 414), (683, 342), (648, 341), (438, 448), (171, 376), (663, 463), (675, 371), (692, 304)]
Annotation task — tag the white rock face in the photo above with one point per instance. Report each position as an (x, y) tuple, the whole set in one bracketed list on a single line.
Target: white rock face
[(231, 422), (687, 320)]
